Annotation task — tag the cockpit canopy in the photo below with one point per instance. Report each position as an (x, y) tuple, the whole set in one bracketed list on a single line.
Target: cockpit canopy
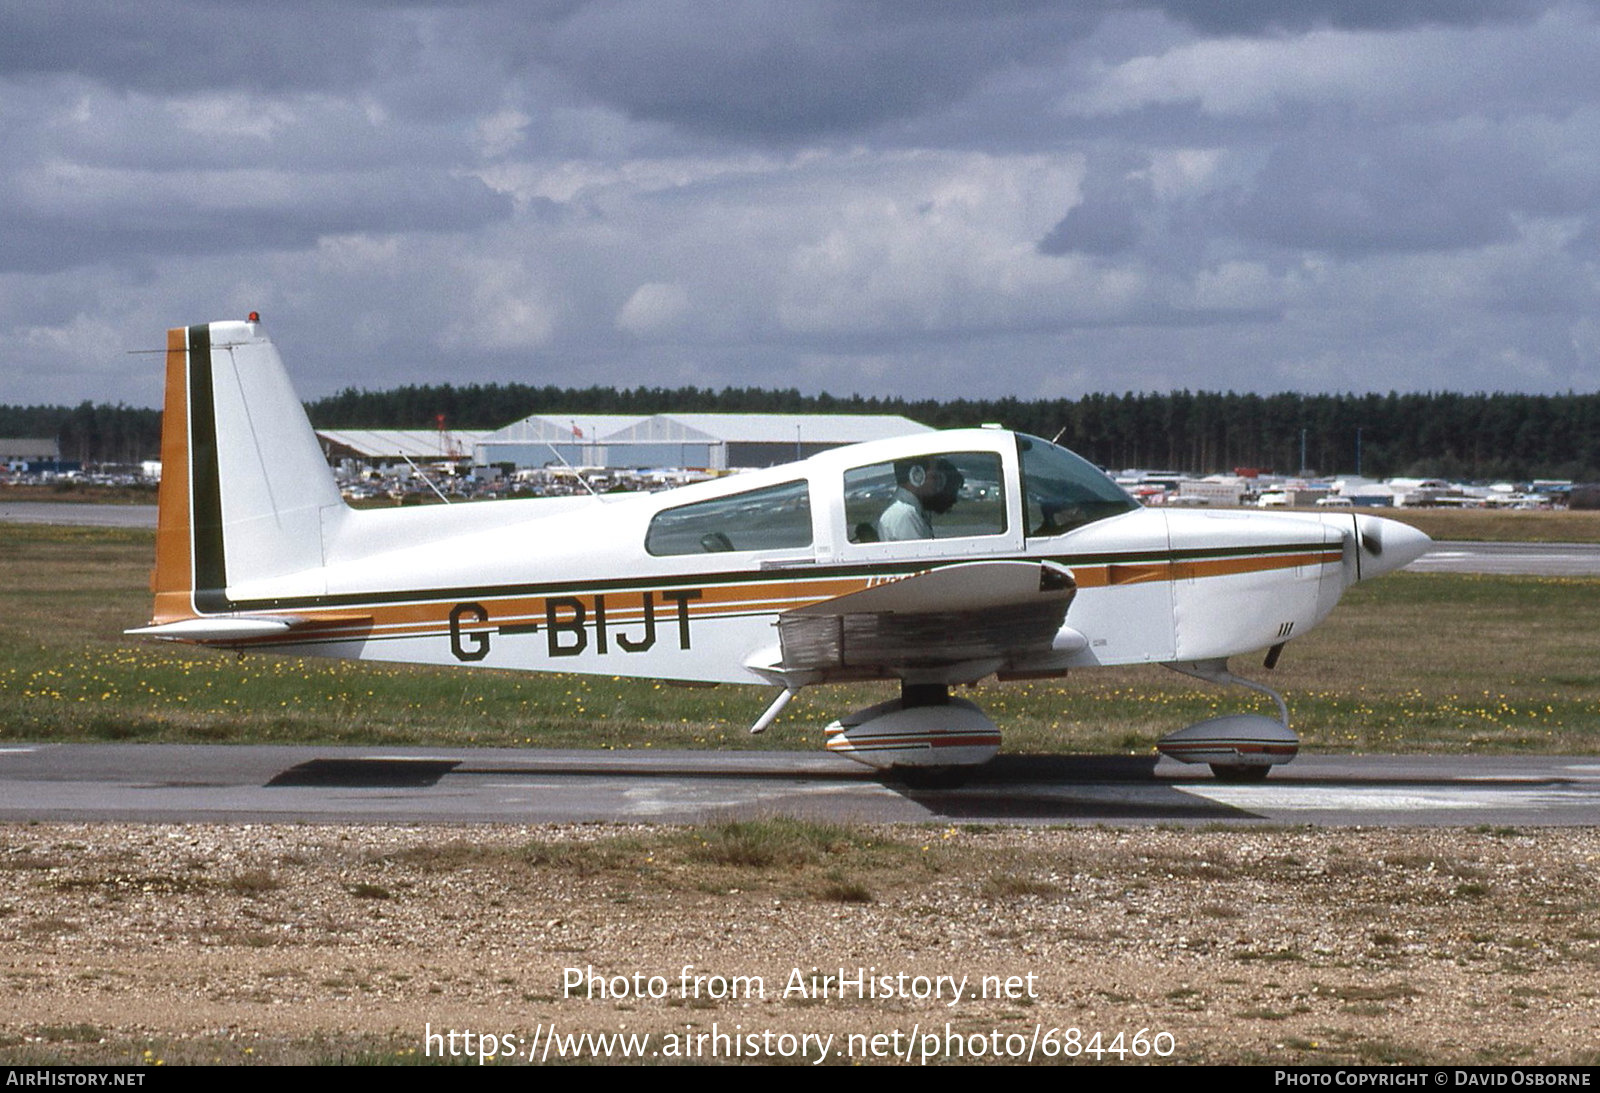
[(974, 490)]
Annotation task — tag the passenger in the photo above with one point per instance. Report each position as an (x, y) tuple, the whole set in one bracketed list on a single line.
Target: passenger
[(1059, 517), (923, 486)]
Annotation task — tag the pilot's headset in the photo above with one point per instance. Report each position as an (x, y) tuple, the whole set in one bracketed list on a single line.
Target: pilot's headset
[(918, 474)]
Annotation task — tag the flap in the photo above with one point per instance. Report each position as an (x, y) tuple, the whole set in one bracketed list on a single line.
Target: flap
[(970, 613), (965, 586)]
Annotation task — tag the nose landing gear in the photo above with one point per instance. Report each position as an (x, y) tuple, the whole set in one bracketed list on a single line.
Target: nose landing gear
[(1238, 747)]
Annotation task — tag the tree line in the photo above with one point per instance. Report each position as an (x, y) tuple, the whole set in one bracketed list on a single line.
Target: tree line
[(89, 432), (1444, 434)]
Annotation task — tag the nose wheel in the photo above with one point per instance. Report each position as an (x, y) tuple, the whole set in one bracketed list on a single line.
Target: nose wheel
[(1241, 747), (1237, 773)]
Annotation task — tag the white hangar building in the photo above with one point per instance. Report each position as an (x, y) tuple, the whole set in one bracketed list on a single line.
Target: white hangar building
[(709, 441), (384, 447)]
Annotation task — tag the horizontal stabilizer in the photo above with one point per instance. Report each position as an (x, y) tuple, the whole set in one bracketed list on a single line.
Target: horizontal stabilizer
[(213, 629)]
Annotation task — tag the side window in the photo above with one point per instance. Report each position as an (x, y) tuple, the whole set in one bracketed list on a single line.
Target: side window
[(773, 518), (950, 495)]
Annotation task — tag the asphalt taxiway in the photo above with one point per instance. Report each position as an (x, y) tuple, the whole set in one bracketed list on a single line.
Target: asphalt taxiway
[(1535, 559), (308, 784), (71, 514)]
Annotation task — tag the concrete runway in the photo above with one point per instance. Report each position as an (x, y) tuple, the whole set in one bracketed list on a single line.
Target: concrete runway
[(295, 784)]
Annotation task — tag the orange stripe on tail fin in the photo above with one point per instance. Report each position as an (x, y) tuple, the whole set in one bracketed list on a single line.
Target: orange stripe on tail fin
[(172, 581)]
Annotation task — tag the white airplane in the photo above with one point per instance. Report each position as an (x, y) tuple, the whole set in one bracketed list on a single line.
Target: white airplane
[(937, 560)]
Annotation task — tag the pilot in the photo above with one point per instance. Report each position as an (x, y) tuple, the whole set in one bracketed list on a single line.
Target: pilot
[(1058, 517), (923, 486)]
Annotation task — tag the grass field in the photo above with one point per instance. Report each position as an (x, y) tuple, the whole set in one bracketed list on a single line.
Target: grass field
[(1407, 663), (70, 492)]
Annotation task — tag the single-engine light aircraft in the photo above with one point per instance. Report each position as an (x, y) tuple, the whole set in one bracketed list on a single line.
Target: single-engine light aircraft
[(936, 560)]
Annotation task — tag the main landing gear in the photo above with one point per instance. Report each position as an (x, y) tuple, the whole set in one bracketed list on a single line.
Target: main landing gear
[(927, 738)]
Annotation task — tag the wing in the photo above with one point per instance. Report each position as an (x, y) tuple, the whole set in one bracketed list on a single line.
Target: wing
[(954, 624)]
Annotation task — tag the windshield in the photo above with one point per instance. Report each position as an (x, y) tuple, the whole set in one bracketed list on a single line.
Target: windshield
[(1062, 491)]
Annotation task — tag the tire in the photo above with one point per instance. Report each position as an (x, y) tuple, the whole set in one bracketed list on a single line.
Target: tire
[(1240, 772), (933, 777)]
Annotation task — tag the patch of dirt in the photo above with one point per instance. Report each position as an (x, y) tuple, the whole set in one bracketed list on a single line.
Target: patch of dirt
[(128, 943)]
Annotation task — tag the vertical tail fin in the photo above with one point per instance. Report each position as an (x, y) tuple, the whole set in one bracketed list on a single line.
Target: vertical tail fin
[(245, 490)]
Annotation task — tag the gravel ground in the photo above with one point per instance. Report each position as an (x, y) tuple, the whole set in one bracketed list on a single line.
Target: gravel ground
[(321, 944)]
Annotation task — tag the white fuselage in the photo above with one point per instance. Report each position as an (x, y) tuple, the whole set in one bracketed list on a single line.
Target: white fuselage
[(569, 586), (255, 549)]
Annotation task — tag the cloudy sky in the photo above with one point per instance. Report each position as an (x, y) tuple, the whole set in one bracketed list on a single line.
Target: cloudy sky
[(945, 197)]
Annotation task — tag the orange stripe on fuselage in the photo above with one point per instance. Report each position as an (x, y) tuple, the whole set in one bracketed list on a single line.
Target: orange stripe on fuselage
[(1119, 573), (173, 579), (1228, 567), (626, 608)]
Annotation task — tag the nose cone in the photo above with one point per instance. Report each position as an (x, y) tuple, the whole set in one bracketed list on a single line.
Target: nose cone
[(1388, 545)]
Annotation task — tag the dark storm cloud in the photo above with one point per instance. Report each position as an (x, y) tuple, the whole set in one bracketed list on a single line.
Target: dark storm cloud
[(1117, 204), (182, 129), (779, 72), (1403, 190), (1350, 201), (751, 69), (70, 120), (1265, 16), (840, 192), (1585, 245), (227, 212), (427, 60), (176, 45)]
